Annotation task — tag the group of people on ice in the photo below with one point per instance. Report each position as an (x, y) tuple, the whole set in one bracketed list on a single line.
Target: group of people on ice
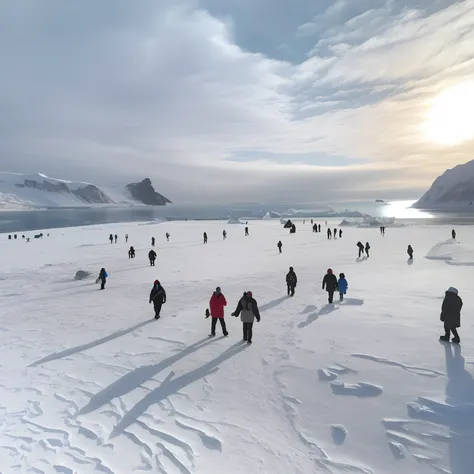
[(331, 284), (331, 234)]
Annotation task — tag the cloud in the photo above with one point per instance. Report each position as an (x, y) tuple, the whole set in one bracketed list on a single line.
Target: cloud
[(233, 100)]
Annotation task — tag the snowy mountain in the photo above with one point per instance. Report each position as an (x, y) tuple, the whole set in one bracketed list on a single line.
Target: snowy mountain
[(453, 189), (38, 190), (32, 191)]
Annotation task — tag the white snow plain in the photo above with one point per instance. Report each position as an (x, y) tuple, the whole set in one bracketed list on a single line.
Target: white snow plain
[(91, 383)]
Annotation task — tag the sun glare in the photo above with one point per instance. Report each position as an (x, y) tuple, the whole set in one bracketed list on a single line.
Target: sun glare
[(450, 118)]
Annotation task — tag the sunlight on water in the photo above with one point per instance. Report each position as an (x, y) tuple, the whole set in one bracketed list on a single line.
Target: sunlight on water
[(403, 210)]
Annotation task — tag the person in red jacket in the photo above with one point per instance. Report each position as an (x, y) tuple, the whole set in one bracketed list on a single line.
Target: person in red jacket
[(216, 305)]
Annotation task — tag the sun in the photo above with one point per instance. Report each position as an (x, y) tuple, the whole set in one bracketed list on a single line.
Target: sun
[(450, 119)]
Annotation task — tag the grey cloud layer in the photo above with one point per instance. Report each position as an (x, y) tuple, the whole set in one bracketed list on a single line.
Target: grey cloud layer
[(116, 90)]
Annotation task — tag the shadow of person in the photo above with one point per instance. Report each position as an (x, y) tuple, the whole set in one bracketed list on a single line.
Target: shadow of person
[(172, 385), (272, 304), (410, 261), (362, 259), (457, 413), (90, 345), (328, 309)]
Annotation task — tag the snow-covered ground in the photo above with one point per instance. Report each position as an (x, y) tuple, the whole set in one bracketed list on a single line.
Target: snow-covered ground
[(90, 383)]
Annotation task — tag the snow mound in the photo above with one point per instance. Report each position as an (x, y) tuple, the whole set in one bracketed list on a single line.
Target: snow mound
[(452, 252), (234, 220), (272, 215), (370, 221), (82, 275)]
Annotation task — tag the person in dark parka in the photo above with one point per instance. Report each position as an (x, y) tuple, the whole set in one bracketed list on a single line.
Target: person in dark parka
[(279, 245), (153, 241), (131, 253), (367, 249), (361, 248), (205, 237), (291, 281), (157, 297), (410, 251), (102, 278), (453, 234), (152, 257), (247, 308), (330, 284), (335, 233), (340, 233), (329, 234), (451, 315), (116, 237), (111, 238), (224, 234)]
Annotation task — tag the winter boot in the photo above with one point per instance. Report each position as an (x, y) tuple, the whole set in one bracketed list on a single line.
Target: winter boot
[(455, 340), (444, 338)]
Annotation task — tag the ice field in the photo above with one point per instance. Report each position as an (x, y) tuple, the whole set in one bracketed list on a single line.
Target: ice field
[(91, 383)]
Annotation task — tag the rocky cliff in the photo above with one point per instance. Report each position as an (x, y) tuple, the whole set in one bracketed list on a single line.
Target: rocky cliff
[(145, 193)]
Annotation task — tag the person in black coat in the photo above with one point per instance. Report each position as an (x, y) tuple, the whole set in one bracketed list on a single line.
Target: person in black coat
[(291, 281), (205, 237), (329, 234), (279, 245), (330, 284), (340, 233), (367, 249), (410, 251), (335, 233), (453, 234), (361, 248), (131, 253), (153, 241), (152, 257), (451, 315), (102, 278), (157, 297)]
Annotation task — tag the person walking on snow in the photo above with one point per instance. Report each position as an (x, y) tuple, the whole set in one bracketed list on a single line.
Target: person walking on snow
[(126, 238), (131, 253), (340, 233), (247, 232), (111, 238), (453, 233), (361, 248), (157, 297), (102, 278), (291, 281), (319, 228), (342, 286), (410, 252), (335, 233), (167, 236), (216, 305), (329, 234), (279, 245), (116, 238), (367, 248), (224, 234), (247, 308), (451, 315), (152, 257), (153, 241), (330, 284), (205, 237)]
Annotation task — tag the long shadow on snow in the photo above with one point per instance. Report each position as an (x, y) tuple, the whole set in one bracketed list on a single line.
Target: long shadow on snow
[(90, 345), (328, 309), (172, 385), (138, 377), (457, 413), (273, 304)]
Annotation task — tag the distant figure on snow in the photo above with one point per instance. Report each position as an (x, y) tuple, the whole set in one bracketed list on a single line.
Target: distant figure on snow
[(319, 227), (131, 253), (340, 233), (205, 237), (247, 232), (330, 284), (102, 278), (167, 237), (335, 233), (312, 222), (111, 238), (410, 251), (342, 286), (247, 308), (153, 241), (116, 237), (216, 305), (157, 297), (126, 238), (291, 281), (152, 257), (453, 233), (224, 234), (451, 315), (315, 228), (329, 234), (361, 248), (367, 248), (279, 245)]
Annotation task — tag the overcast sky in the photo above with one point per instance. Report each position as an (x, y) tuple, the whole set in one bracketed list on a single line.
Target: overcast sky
[(233, 100)]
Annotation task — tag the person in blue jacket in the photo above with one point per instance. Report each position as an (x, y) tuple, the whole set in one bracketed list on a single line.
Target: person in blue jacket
[(102, 278), (342, 285)]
